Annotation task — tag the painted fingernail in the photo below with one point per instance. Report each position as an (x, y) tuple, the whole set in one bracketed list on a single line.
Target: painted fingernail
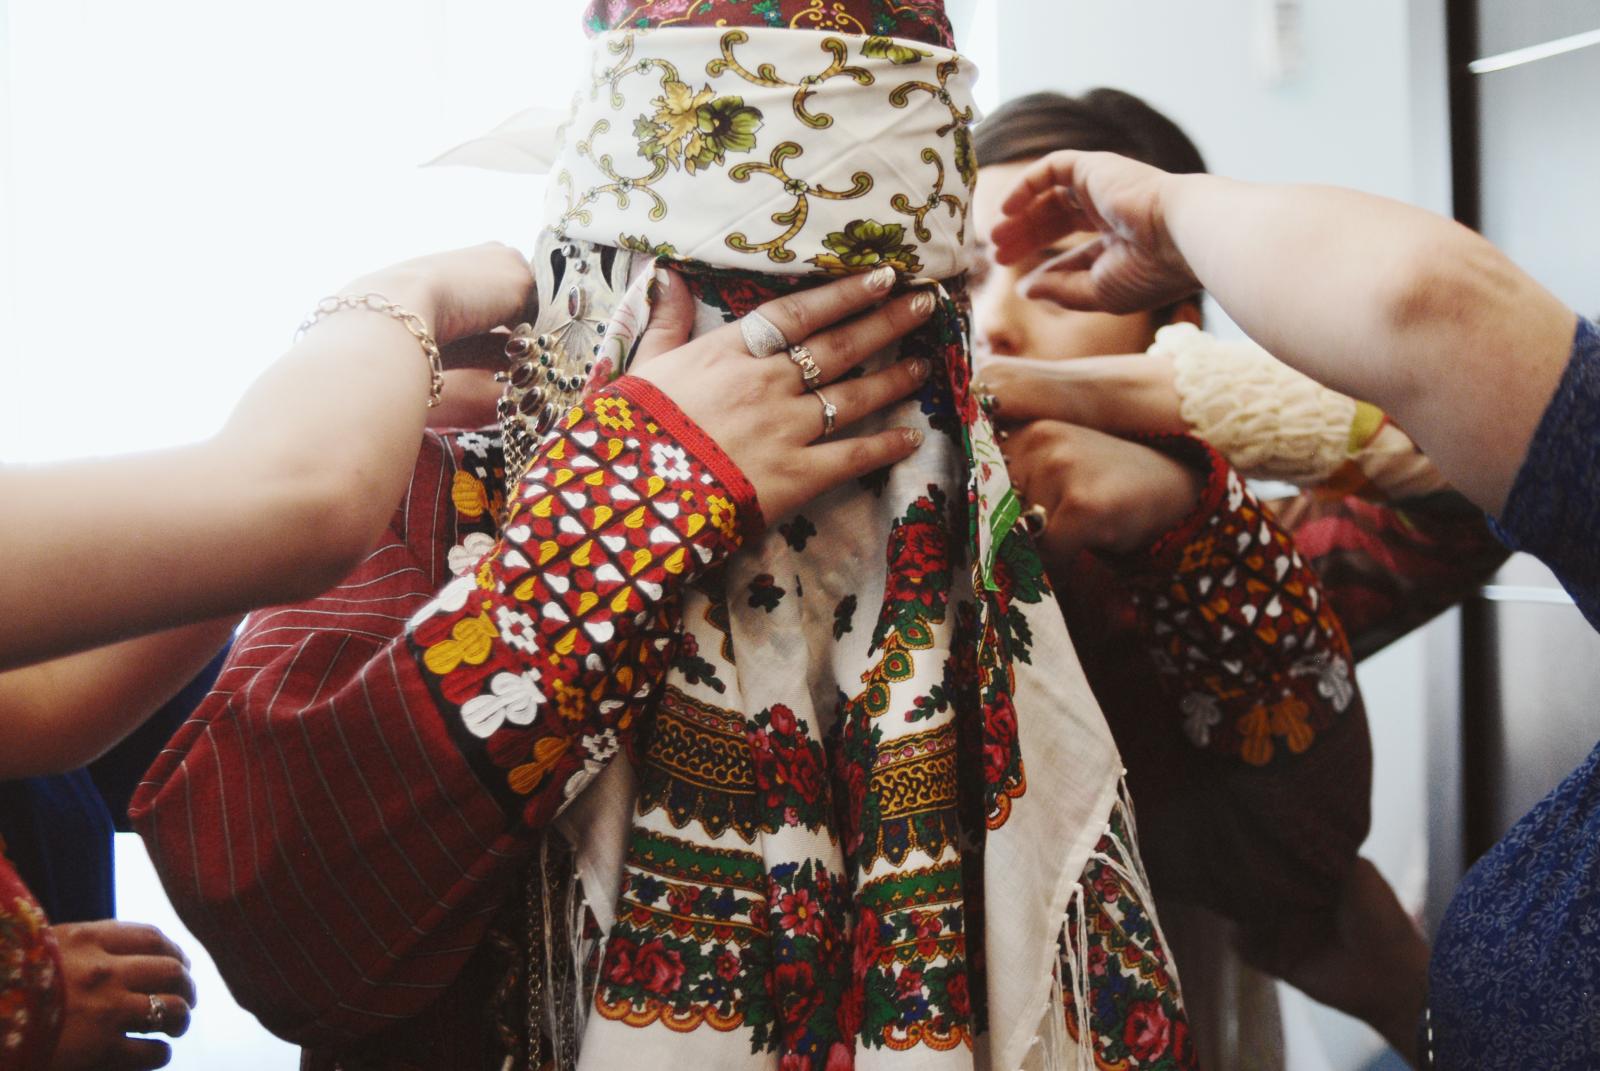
[(663, 278), (918, 369), (913, 436), (881, 279), (922, 304)]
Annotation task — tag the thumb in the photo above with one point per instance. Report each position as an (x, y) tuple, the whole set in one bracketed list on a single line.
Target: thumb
[(671, 318)]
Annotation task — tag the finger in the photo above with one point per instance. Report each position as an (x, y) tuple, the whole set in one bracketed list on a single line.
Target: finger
[(136, 1054), (1044, 204), (858, 398), (1062, 538), (139, 939), (1080, 257), (671, 318), (842, 460), (156, 974), (840, 349), (175, 1015), (806, 312), (1023, 390), (1071, 289), (1045, 221), (1053, 171)]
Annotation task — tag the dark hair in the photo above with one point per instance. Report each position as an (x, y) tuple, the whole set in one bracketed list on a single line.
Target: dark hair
[(1102, 120)]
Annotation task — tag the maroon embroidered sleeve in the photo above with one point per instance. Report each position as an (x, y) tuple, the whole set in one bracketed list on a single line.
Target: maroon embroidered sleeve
[(340, 819), (1390, 566), (1242, 636), (542, 656)]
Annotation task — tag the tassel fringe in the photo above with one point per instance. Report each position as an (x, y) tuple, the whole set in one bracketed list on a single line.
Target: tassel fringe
[(1059, 1048)]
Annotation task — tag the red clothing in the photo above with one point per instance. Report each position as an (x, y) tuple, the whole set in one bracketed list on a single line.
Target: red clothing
[(30, 978), (1262, 844), (321, 820)]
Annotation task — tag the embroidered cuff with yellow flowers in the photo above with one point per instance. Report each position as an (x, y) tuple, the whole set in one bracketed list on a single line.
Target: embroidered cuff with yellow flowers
[(542, 657), (1238, 627)]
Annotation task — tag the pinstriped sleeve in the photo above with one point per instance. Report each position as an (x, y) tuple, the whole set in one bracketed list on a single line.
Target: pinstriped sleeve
[(342, 815)]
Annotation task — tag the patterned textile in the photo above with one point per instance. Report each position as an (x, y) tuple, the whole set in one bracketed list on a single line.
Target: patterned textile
[(1515, 975), (1239, 579), (320, 783), (918, 20), (1391, 565), (1379, 521), (30, 978), (843, 741), (771, 151), (1255, 801)]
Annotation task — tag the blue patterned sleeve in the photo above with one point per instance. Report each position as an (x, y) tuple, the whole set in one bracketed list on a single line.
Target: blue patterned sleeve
[(1553, 511)]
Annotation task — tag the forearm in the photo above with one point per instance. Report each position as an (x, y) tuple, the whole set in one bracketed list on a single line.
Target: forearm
[(279, 505), (1387, 303), (63, 714)]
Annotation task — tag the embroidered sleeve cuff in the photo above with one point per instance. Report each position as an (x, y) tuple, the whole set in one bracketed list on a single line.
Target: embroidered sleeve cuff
[(1238, 629), (542, 655), (1164, 553), (689, 435)]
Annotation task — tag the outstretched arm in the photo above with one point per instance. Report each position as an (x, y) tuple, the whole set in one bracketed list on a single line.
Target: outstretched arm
[(279, 505), (1377, 299)]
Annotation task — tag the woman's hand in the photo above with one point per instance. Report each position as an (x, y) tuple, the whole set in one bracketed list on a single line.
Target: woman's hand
[(461, 295), (1098, 492), (111, 970), (756, 409), (1132, 394), (1133, 265)]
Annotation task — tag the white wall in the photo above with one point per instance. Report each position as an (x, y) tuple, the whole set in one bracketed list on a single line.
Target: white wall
[(1362, 104), (1343, 115)]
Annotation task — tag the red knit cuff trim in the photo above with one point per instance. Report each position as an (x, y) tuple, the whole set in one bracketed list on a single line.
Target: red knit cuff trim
[(692, 437), (1166, 550)]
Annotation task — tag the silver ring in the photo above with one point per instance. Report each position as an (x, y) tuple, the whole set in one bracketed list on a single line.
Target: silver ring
[(830, 413), (809, 372), (761, 336), (1035, 518), (156, 1020)]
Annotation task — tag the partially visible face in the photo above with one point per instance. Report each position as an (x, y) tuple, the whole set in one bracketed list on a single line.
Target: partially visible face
[(1009, 324)]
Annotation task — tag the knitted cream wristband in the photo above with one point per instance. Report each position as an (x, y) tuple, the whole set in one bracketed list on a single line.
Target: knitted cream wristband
[(1268, 420)]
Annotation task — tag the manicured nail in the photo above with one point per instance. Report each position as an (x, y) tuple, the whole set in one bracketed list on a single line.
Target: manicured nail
[(663, 278), (913, 436), (881, 278), (918, 369), (922, 304)]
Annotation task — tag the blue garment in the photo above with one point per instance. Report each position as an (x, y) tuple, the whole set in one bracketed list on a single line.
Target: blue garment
[(58, 829), (1515, 975)]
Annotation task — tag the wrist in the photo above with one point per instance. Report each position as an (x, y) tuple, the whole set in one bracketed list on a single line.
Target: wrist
[(1173, 197), (410, 288), (1173, 496)]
